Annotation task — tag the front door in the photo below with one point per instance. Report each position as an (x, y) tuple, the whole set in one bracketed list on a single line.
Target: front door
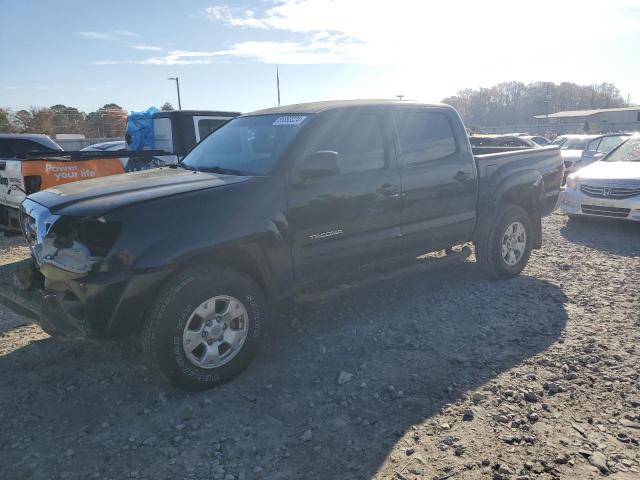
[(341, 222)]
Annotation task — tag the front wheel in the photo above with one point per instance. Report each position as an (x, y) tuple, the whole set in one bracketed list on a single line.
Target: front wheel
[(205, 327), (505, 249)]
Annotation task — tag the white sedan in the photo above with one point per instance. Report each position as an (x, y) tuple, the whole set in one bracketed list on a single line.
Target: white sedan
[(607, 188)]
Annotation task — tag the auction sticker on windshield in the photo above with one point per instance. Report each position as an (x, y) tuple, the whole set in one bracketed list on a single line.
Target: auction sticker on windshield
[(290, 120)]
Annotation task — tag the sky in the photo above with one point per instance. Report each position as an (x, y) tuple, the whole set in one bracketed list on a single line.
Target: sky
[(87, 53)]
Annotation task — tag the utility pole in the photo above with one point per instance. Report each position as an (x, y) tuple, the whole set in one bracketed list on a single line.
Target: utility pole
[(400, 97), (546, 104), (278, 82), (178, 89)]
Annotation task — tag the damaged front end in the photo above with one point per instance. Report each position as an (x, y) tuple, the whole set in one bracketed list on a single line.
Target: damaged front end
[(72, 265)]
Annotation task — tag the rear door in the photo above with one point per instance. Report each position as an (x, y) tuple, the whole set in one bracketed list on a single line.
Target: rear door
[(438, 175), (342, 222)]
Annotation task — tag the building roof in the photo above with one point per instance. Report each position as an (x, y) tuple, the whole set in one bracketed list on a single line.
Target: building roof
[(586, 113), (315, 107)]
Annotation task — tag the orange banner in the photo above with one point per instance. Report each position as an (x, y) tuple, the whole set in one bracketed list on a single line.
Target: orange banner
[(58, 172)]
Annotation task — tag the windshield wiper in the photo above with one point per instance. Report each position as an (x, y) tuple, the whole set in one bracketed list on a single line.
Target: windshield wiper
[(182, 165), (222, 170), (216, 169)]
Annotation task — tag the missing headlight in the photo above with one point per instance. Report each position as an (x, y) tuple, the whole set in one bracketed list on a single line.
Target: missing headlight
[(75, 245)]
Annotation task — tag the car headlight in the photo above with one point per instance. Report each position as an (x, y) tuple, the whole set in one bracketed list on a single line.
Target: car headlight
[(572, 181)]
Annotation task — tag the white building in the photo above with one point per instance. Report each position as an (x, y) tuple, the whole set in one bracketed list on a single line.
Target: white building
[(596, 121)]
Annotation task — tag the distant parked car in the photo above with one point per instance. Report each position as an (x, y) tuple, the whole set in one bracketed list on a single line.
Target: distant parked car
[(607, 188), (501, 141), (581, 150), (17, 145), (14, 148), (537, 139), (115, 146)]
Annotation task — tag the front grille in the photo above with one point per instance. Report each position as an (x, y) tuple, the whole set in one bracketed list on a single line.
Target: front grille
[(606, 211), (608, 191)]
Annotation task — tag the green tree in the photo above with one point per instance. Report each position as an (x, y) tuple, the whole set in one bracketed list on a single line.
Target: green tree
[(67, 119), (109, 121), (5, 121), (166, 107)]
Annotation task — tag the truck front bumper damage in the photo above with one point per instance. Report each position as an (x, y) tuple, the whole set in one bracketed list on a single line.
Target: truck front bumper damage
[(95, 306)]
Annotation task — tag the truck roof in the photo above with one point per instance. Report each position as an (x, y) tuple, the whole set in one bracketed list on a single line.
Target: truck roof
[(195, 113), (315, 107)]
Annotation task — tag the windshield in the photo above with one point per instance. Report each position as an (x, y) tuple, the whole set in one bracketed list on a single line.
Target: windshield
[(574, 144), (627, 152), (247, 145), (559, 141)]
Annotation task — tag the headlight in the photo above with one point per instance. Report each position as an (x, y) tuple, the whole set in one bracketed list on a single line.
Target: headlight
[(572, 181)]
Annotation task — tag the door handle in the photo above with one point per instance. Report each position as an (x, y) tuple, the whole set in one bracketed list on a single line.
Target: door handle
[(461, 176)]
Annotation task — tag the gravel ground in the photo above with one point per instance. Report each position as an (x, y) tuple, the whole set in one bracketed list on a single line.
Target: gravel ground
[(440, 375)]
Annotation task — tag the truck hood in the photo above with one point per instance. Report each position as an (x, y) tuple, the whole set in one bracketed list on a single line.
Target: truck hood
[(610, 171), (101, 195)]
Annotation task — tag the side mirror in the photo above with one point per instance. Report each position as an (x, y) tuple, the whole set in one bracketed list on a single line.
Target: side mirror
[(324, 163)]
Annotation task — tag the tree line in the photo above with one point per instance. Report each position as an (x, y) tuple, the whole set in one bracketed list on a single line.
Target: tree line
[(108, 121), (515, 103)]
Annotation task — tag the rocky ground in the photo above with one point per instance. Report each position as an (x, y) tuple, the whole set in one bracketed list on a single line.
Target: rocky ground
[(440, 375)]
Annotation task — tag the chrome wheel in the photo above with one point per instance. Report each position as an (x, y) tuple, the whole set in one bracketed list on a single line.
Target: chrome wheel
[(514, 243), (215, 332)]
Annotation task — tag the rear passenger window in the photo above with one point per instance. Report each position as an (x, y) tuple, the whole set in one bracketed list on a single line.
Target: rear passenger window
[(609, 143), (424, 136), (358, 139)]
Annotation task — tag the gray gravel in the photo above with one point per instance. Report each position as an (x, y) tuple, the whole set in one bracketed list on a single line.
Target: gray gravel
[(440, 375)]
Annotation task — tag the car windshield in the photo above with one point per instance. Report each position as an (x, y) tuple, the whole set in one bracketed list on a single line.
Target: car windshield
[(246, 145), (629, 151), (559, 141), (574, 144)]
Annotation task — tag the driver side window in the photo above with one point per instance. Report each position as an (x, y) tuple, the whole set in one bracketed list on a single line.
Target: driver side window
[(358, 140)]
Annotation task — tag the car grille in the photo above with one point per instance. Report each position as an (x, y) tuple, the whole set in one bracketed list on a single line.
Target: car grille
[(607, 191), (605, 211)]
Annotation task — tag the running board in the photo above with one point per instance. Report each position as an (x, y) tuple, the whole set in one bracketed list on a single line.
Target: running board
[(424, 264)]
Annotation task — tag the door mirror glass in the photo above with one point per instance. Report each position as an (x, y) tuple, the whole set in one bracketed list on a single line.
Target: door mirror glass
[(324, 163)]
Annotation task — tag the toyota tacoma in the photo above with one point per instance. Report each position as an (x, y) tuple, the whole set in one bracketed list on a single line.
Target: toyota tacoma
[(275, 204)]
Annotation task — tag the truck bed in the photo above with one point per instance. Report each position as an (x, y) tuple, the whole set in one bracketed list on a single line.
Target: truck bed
[(497, 164)]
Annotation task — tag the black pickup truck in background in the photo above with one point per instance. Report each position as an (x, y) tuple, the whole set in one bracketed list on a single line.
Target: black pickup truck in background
[(275, 204)]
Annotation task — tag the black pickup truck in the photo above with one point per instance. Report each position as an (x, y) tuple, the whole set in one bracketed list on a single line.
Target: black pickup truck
[(276, 203)]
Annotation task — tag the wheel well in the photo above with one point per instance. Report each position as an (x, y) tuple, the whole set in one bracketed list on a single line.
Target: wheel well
[(240, 260), (523, 196), (526, 197)]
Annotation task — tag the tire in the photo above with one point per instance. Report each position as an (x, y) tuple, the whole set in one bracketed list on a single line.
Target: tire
[(192, 303), (489, 249)]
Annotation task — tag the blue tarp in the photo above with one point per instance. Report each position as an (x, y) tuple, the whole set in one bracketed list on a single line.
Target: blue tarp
[(140, 130)]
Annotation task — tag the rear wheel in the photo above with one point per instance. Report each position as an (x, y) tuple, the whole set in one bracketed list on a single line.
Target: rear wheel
[(505, 249), (205, 327)]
